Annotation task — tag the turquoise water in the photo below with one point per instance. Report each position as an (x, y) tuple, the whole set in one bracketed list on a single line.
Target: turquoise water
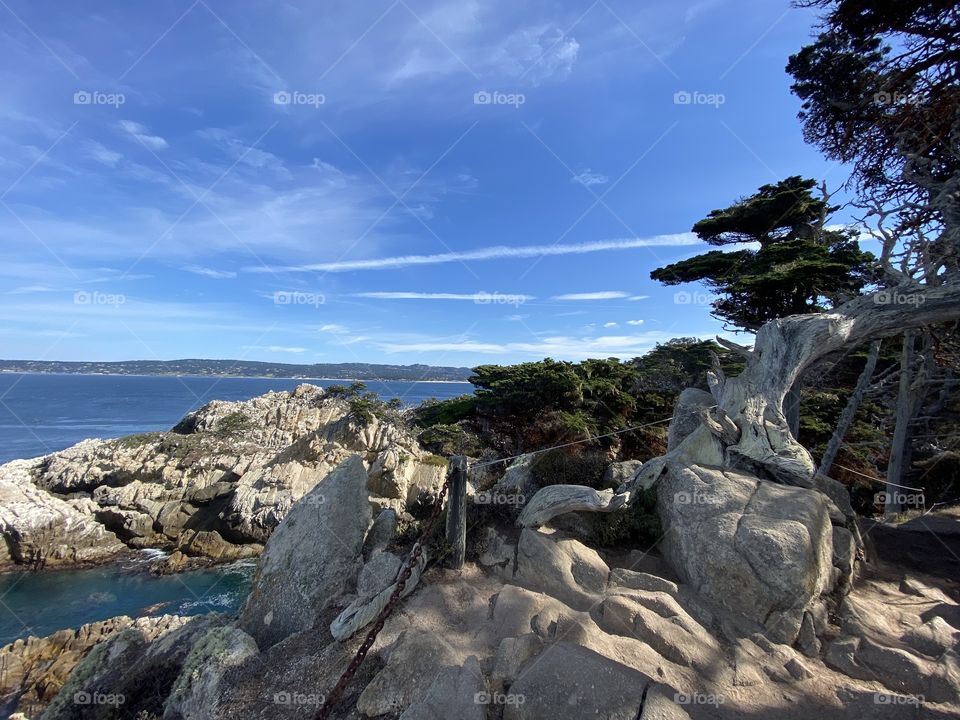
[(42, 603), (40, 414)]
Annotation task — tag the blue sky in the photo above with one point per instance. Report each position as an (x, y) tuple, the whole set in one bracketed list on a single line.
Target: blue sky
[(449, 183)]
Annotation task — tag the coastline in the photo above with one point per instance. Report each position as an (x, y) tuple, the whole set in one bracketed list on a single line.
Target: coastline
[(227, 377)]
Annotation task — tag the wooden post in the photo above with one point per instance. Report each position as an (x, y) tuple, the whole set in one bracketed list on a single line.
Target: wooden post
[(457, 511)]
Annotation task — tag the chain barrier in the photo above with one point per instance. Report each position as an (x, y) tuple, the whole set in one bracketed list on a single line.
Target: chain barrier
[(335, 694)]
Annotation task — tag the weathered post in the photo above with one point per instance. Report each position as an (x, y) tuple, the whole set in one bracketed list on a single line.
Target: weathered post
[(457, 511)]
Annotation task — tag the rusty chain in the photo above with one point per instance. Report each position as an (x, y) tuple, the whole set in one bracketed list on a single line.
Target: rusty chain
[(334, 696)]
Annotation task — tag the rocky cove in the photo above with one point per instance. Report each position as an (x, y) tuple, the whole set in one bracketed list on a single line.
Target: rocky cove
[(762, 599)]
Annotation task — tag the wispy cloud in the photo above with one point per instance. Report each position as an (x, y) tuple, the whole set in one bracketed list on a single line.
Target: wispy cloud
[(497, 252), (601, 295), (210, 272), (561, 346), (634, 322), (480, 298), (141, 133), (588, 178), (334, 328)]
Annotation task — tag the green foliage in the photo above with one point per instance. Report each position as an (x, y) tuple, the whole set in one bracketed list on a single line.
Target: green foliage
[(559, 467), (445, 412), (232, 425), (449, 440), (366, 405), (135, 441), (799, 268), (553, 402), (879, 90), (677, 364), (637, 524)]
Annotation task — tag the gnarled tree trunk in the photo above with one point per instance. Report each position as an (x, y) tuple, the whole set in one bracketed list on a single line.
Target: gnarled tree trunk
[(755, 437), (850, 411)]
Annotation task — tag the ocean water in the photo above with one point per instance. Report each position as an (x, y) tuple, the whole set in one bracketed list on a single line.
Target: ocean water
[(41, 603), (40, 414)]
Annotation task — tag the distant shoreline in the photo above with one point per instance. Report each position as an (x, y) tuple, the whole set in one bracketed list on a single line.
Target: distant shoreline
[(235, 377)]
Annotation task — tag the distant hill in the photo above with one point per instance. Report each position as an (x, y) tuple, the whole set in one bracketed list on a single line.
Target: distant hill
[(241, 368)]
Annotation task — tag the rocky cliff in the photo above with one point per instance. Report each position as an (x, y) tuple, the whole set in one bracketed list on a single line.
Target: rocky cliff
[(215, 486), (542, 626)]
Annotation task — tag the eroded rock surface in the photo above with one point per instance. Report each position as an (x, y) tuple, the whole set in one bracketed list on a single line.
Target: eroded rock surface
[(307, 560), (214, 487)]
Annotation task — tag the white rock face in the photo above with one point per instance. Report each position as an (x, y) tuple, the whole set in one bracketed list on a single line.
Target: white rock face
[(39, 527), (216, 487)]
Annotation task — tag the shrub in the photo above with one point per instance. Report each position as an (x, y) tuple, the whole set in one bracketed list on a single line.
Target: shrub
[(449, 440), (444, 412), (566, 467), (232, 425), (637, 524)]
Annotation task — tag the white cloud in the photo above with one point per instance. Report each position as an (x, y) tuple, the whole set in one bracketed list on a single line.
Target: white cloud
[(601, 295), (30, 289), (537, 53), (141, 133), (497, 252), (103, 154), (589, 178), (639, 297), (210, 272), (481, 297), (561, 346), (610, 325), (634, 322), (334, 328)]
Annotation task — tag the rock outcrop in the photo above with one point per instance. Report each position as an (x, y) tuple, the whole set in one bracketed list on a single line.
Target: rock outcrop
[(562, 631), (35, 669), (759, 548), (317, 546), (40, 528), (215, 487)]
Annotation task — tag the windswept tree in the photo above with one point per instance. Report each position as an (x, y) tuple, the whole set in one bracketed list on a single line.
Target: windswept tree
[(798, 264), (881, 91)]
